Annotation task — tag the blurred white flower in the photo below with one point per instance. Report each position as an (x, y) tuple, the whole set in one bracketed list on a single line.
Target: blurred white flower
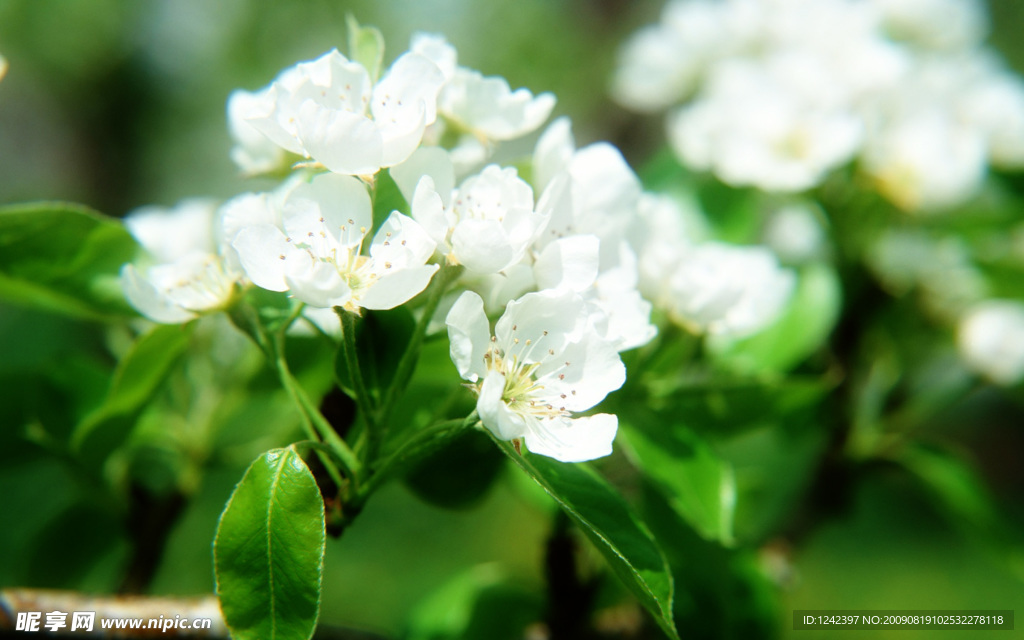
[(726, 290), (187, 275), (926, 163), (329, 110), (991, 340), (541, 366), (752, 130), (318, 254)]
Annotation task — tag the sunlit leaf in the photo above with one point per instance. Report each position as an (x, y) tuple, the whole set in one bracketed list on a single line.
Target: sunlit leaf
[(269, 551), (64, 258), (607, 521), (696, 482)]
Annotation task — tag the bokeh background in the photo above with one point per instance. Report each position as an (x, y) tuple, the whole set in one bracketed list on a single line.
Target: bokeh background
[(119, 104)]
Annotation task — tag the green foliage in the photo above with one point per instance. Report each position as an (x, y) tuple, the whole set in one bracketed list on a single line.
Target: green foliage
[(695, 481), (381, 339), (801, 330), (64, 258), (137, 378), (269, 550), (607, 521), (480, 604)]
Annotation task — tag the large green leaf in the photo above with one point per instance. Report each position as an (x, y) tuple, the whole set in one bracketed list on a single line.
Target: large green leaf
[(609, 523), (64, 258), (138, 377), (696, 482), (269, 551)]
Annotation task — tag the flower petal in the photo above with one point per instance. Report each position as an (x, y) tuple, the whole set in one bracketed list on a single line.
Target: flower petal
[(397, 287), (469, 336), (574, 440)]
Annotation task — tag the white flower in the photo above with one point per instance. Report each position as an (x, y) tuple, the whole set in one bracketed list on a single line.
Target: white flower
[(750, 128), (541, 366), (318, 256), (190, 277), (3, 67), (179, 291), (328, 110), (991, 340), (486, 107), (585, 191), (727, 290), (660, 64), (926, 162), (486, 224)]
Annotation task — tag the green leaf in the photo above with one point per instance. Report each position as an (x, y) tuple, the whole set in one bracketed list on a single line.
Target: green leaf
[(64, 258), (381, 339), (137, 378), (387, 197), (956, 488), (697, 483), (269, 551), (365, 46), (801, 330), (607, 521)]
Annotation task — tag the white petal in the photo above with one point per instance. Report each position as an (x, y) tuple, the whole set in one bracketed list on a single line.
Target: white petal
[(494, 413), (574, 440), (545, 319), (317, 283), (342, 201), (397, 287), (469, 336), (265, 255), (428, 209), (402, 242), (425, 161), (345, 142), (437, 50), (568, 263), (482, 246), (412, 80), (148, 301), (584, 371), (554, 149), (273, 117)]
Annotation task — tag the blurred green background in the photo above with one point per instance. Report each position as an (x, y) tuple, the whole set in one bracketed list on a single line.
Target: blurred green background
[(119, 104)]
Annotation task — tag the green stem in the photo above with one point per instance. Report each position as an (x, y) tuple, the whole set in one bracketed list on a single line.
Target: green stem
[(363, 399), (445, 277), (415, 447), (317, 425)]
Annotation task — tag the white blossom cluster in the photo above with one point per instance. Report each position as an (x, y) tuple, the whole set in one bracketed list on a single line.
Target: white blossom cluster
[(776, 93), (559, 257)]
